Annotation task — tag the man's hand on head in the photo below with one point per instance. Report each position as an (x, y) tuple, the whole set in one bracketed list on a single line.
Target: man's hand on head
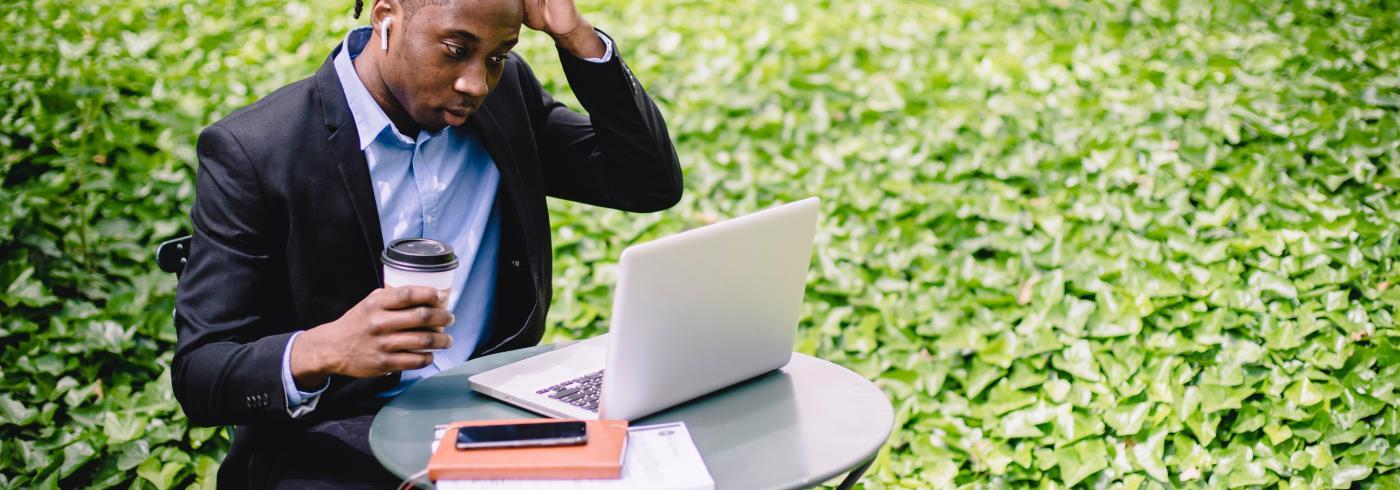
[(563, 22), (375, 337)]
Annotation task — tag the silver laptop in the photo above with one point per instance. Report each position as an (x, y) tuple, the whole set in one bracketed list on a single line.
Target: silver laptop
[(692, 313)]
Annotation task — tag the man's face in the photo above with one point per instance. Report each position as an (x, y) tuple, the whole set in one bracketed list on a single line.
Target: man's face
[(445, 59)]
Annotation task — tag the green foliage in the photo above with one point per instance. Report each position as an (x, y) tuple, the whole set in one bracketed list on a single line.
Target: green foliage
[(100, 104), (1146, 244), (1103, 244)]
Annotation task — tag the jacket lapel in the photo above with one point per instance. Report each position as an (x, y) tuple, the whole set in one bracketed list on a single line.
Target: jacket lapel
[(344, 142), (488, 129), (514, 312)]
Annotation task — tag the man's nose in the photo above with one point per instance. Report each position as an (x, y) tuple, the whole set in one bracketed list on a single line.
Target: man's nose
[(472, 81)]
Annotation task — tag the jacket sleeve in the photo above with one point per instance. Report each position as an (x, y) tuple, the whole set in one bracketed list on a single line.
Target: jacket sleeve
[(227, 368), (620, 154)]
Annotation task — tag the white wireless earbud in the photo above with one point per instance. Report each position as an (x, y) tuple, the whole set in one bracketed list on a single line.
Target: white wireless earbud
[(384, 34)]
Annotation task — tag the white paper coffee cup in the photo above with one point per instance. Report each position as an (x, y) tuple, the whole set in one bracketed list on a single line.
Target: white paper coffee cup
[(419, 262), (398, 278)]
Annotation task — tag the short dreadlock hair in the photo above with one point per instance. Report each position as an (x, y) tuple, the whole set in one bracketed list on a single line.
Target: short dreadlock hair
[(409, 6)]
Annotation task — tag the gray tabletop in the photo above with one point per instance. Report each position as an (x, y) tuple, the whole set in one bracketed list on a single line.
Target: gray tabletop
[(796, 427)]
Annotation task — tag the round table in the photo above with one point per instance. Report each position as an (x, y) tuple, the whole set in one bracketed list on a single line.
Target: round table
[(796, 427)]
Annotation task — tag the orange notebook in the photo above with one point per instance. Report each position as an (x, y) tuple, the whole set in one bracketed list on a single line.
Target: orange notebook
[(601, 457)]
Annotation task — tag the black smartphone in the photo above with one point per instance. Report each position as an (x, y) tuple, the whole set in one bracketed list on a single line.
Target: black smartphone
[(564, 433)]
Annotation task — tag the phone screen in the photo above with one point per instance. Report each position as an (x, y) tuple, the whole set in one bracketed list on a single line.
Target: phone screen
[(509, 435)]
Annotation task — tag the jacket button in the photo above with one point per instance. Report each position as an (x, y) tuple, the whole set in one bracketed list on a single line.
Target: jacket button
[(515, 262)]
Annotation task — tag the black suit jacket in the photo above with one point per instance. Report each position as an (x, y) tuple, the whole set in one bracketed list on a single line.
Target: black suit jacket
[(287, 236)]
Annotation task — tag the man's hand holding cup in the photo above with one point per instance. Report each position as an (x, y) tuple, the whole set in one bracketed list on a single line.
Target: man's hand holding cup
[(395, 328)]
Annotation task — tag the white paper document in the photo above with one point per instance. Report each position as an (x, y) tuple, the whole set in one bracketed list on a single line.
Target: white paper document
[(657, 457)]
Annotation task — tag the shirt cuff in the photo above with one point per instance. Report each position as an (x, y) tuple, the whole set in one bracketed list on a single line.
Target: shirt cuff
[(299, 402), (607, 50)]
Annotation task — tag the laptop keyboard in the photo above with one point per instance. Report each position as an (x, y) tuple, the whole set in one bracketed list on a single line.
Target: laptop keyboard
[(580, 392)]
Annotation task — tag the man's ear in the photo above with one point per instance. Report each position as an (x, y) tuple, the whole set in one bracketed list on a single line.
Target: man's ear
[(383, 9)]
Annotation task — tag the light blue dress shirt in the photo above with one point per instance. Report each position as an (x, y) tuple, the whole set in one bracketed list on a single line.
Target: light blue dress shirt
[(441, 185)]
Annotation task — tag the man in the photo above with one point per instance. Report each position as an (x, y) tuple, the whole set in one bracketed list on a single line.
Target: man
[(421, 125)]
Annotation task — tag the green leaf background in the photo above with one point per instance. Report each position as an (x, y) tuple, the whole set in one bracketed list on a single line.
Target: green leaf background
[(1109, 244)]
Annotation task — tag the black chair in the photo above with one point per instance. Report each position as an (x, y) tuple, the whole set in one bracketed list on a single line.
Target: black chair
[(172, 254)]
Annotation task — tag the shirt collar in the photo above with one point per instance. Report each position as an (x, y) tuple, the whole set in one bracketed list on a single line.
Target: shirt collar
[(370, 119)]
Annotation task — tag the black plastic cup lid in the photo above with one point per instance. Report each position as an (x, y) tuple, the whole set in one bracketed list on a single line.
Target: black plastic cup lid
[(419, 255)]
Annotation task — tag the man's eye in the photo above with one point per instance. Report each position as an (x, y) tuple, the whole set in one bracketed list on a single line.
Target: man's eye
[(456, 51), (499, 59)]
